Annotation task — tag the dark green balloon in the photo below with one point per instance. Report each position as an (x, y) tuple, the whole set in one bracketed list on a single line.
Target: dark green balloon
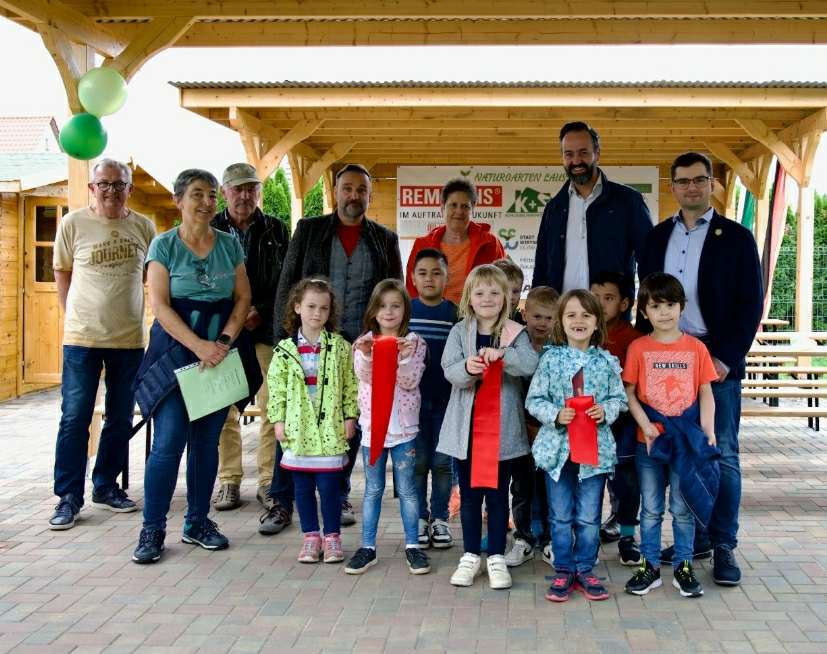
[(83, 137)]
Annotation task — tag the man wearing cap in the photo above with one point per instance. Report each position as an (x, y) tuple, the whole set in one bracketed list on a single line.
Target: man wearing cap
[(355, 254), (264, 241)]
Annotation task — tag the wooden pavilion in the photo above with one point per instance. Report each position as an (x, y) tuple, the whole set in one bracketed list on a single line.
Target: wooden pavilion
[(743, 126), (384, 125)]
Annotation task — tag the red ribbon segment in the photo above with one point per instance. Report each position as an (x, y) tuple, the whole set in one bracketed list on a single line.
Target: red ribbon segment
[(383, 385), (582, 431), (485, 434)]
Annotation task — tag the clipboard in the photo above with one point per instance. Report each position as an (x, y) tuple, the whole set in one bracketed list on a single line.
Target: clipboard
[(208, 390)]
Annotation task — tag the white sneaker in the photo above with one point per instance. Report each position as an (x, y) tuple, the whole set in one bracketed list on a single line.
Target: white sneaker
[(441, 537), (467, 570), (498, 575), (547, 554), (520, 552), (423, 536)]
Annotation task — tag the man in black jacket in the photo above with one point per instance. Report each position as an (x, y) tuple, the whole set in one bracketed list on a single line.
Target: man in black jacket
[(355, 254), (716, 260), (264, 240), (592, 225)]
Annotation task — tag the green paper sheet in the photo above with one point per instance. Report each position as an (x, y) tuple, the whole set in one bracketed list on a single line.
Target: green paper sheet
[(211, 389)]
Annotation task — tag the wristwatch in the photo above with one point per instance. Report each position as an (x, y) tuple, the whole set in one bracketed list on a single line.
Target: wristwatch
[(224, 339)]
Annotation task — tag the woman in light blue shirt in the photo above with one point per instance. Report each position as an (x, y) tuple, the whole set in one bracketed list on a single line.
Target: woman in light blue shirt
[(200, 296)]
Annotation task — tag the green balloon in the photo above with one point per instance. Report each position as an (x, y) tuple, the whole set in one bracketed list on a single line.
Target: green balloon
[(102, 91), (83, 137)]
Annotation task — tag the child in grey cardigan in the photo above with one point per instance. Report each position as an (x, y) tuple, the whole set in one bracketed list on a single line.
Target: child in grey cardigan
[(484, 336)]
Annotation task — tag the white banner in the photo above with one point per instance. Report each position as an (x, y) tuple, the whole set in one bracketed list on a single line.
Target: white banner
[(511, 199)]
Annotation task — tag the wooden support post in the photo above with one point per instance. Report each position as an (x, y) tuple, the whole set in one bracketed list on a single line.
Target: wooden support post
[(328, 197), (318, 167), (157, 36), (758, 130), (730, 210), (732, 160), (761, 169), (805, 238), (297, 201)]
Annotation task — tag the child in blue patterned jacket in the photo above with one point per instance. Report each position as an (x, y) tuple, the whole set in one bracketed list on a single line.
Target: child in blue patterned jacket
[(575, 490)]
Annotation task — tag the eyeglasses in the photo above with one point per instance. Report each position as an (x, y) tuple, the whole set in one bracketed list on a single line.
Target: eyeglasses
[(700, 181), (118, 187), (202, 275)]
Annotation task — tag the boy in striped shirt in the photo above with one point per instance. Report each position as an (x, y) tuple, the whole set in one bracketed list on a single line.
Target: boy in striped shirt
[(432, 317)]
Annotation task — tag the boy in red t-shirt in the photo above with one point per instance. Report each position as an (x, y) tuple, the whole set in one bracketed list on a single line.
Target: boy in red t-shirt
[(615, 292), (668, 371)]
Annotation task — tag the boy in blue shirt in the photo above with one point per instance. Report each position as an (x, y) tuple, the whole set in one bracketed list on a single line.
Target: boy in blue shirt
[(432, 317)]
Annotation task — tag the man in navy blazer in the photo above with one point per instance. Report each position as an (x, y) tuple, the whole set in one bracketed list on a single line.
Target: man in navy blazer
[(717, 262), (592, 225)]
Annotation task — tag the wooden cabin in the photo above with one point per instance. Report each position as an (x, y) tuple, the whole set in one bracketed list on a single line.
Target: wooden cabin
[(33, 198)]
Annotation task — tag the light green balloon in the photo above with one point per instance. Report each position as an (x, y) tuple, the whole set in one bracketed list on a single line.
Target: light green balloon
[(83, 137), (102, 91)]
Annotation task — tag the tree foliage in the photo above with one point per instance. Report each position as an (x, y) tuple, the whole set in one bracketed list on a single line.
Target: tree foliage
[(314, 200)]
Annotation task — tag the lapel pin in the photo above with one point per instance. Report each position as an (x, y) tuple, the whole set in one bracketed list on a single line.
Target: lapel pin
[(719, 231)]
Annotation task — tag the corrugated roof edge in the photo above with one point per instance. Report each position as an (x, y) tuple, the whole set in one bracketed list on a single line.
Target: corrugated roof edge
[(654, 84)]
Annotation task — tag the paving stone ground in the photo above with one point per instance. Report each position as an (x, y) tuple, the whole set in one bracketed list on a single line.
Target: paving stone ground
[(78, 591)]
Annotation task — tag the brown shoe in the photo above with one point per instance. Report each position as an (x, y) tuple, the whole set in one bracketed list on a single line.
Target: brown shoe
[(263, 497), (275, 520), (228, 497)]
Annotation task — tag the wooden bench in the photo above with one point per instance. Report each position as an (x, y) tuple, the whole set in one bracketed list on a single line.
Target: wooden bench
[(811, 372), (251, 412), (784, 383), (763, 411)]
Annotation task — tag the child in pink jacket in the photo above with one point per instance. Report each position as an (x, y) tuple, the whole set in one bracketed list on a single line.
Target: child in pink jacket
[(388, 313)]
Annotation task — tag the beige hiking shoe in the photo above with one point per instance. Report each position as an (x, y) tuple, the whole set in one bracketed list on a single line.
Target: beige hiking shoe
[(228, 497)]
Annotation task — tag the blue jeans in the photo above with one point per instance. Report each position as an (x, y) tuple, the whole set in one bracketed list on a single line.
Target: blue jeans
[(575, 518), (404, 460), (723, 526), (328, 484), (173, 432), (429, 460), (281, 488), (653, 476), (81, 373)]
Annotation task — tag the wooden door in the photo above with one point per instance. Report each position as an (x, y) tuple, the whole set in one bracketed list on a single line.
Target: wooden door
[(42, 318)]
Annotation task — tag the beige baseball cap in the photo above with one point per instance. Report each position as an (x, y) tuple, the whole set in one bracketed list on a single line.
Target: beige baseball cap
[(239, 173)]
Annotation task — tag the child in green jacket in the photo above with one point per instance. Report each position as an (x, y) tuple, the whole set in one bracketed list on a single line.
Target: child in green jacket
[(313, 409)]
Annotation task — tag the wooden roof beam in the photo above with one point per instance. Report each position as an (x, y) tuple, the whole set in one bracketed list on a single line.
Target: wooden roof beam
[(815, 122), (73, 24), (379, 9), (160, 34), (330, 157), (512, 98), (722, 152), (769, 139)]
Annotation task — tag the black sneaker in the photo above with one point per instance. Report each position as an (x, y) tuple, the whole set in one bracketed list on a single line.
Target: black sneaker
[(686, 581), (629, 551), (150, 545), (725, 571), (644, 579), (701, 551), (205, 534), (364, 558), (561, 587), (610, 530), (65, 511), (115, 500), (418, 562), (274, 520)]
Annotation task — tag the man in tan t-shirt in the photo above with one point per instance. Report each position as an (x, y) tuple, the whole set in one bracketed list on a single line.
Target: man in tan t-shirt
[(99, 269)]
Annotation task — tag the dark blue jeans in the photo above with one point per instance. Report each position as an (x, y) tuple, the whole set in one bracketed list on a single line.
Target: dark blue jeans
[(328, 484), (81, 374), (173, 432), (429, 460), (281, 488), (723, 526), (575, 518), (496, 504)]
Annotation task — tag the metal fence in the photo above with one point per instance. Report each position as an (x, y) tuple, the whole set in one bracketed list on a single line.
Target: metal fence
[(783, 290)]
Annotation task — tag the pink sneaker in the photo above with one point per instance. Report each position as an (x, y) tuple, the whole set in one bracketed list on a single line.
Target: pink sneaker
[(333, 549), (311, 549)]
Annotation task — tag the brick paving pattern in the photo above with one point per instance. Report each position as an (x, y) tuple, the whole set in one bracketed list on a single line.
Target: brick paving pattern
[(78, 591)]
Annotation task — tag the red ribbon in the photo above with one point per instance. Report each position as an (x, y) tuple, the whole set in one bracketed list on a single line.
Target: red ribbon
[(485, 434), (383, 385), (582, 431)]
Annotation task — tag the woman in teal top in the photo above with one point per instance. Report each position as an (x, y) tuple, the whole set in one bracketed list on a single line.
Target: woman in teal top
[(200, 295)]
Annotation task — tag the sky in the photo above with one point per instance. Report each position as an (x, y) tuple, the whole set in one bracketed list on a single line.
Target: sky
[(165, 139)]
